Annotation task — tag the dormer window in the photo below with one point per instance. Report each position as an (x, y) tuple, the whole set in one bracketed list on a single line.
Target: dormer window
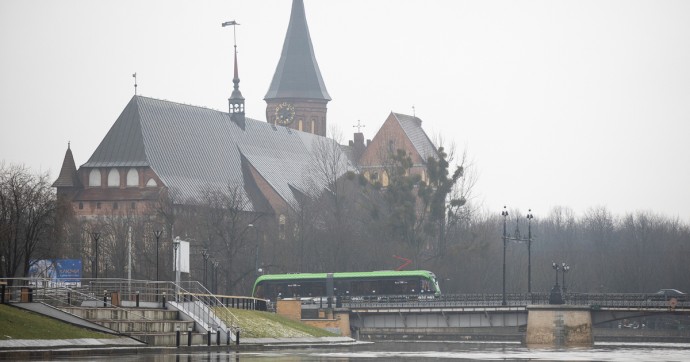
[(132, 178), (95, 178), (113, 178), (151, 183)]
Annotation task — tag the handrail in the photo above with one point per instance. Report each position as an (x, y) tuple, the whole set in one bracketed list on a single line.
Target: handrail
[(190, 297)]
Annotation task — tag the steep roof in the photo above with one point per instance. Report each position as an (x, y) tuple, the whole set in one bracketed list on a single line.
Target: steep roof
[(297, 74), (413, 129), (192, 148), (68, 173)]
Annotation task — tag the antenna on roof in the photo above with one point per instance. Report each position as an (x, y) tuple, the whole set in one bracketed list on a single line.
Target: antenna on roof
[(414, 114), (135, 82), (359, 126)]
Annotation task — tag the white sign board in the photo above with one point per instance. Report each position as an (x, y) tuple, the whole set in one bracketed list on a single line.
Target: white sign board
[(182, 257)]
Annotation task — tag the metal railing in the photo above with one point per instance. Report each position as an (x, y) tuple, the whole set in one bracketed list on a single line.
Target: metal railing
[(190, 297), (594, 300)]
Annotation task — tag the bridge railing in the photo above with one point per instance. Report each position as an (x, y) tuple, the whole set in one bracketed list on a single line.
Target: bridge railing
[(446, 300), (595, 300)]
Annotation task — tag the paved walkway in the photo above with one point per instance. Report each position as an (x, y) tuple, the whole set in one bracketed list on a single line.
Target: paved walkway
[(129, 342), (69, 343)]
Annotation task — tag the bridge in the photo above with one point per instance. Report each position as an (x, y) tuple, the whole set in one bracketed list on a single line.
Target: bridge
[(485, 316), (461, 316)]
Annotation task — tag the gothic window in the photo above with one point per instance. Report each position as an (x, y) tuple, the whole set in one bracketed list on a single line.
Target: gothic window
[(132, 178), (95, 178), (300, 125), (133, 206), (375, 176), (113, 178), (281, 227), (151, 183), (81, 206), (115, 206), (391, 146), (313, 126), (98, 205)]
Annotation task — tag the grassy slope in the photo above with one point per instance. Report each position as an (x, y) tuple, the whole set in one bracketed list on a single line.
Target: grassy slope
[(17, 323), (254, 324)]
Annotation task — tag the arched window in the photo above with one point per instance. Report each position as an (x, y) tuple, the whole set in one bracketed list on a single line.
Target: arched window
[(281, 227), (300, 125), (313, 126), (132, 178), (95, 178), (113, 178), (151, 183)]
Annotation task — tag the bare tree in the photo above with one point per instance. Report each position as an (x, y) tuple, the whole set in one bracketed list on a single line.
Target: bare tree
[(27, 211)]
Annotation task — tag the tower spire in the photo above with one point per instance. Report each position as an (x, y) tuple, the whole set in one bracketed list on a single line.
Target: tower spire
[(236, 100), (297, 96)]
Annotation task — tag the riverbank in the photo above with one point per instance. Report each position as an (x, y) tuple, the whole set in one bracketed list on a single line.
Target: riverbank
[(52, 348)]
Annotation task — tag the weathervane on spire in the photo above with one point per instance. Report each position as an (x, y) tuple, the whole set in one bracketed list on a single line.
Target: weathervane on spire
[(236, 101), (135, 82), (234, 24)]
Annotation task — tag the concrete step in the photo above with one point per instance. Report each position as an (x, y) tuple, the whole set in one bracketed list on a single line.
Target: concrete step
[(122, 314), (170, 339), (152, 326)]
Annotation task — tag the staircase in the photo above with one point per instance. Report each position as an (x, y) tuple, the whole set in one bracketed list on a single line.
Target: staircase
[(152, 312), (154, 326)]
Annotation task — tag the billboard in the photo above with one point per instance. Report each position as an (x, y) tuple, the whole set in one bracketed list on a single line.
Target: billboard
[(56, 270)]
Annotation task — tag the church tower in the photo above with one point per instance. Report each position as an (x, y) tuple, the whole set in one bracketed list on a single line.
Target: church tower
[(297, 96)]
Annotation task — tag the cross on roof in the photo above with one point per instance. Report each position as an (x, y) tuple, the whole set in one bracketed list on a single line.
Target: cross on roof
[(359, 126)]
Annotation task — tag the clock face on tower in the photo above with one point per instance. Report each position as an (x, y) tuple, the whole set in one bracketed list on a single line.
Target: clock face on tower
[(285, 113)]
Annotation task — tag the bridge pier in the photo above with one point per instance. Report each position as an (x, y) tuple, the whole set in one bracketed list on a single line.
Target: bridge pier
[(559, 326)]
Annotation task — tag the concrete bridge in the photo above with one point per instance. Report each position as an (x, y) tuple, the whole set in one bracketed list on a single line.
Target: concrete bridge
[(483, 316)]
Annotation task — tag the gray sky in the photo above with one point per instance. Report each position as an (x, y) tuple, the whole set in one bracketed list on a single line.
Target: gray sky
[(572, 103)]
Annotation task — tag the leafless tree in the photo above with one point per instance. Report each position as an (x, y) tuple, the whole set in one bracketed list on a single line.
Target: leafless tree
[(27, 218)]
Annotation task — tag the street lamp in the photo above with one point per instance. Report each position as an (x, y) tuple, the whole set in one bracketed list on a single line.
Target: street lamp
[(565, 267), (96, 235), (205, 254), (256, 257), (529, 250), (556, 297), (176, 246), (504, 213), (158, 234), (214, 287)]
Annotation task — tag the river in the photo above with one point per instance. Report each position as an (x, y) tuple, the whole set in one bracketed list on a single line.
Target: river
[(427, 351)]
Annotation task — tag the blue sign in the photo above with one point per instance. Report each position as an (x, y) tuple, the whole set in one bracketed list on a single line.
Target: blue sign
[(68, 270), (57, 270)]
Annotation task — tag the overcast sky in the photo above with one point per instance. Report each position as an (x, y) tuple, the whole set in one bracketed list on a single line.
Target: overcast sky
[(558, 103)]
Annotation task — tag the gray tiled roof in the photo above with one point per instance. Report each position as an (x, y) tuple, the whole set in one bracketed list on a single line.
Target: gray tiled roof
[(297, 74), (191, 148), (421, 142)]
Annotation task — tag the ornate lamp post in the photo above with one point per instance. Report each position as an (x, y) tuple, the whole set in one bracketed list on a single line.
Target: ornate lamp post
[(176, 268), (504, 213), (157, 234), (565, 267), (205, 254), (256, 256), (529, 250), (95, 236), (556, 297), (215, 276)]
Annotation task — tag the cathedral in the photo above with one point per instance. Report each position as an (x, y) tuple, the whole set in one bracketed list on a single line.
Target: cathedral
[(158, 148)]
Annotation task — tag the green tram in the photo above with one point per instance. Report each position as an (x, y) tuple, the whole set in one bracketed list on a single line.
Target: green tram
[(353, 284)]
